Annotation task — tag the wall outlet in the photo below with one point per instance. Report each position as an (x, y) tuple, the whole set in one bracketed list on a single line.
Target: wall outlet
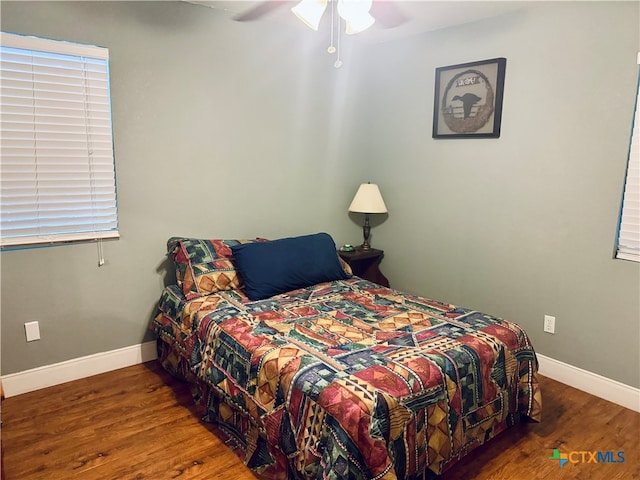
[(32, 331), (549, 324)]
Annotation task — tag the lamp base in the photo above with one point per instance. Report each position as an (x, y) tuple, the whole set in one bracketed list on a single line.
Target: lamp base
[(366, 230)]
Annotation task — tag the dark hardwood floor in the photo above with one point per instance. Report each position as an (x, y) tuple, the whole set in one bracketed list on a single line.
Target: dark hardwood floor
[(137, 423)]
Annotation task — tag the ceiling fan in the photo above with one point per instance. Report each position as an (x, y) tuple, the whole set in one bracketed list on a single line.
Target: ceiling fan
[(385, 12), (357, 15)]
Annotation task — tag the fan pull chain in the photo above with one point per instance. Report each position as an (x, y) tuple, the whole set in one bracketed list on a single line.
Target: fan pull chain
[(338, 63), (331, 48)]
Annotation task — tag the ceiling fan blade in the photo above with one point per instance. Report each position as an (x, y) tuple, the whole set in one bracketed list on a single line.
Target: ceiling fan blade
[(261, 9), (388, 14)]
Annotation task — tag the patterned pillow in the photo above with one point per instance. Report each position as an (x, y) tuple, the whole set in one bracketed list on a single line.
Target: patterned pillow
[(205, 266), (345, 266)]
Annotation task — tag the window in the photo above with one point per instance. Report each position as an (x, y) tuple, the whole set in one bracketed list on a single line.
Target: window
[(57, 177), (629, 234)]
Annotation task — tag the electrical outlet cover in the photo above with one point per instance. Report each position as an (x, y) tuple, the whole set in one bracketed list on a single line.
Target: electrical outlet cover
[(549, 324)]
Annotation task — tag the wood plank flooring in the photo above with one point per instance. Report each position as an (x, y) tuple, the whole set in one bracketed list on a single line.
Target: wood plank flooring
[(138, 423)]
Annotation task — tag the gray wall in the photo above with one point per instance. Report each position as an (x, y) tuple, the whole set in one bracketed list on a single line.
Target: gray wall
[(221, 130), (224, 129), (523, 225)]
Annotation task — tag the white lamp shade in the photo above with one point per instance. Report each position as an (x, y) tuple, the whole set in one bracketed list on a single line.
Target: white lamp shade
[(356, 14), (310, 12), (368, 200)]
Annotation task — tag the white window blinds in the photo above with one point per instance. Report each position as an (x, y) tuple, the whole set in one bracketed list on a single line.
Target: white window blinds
[(629, 235), (57, 172)]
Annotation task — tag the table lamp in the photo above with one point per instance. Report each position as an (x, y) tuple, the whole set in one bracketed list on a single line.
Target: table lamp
[(367, 200)]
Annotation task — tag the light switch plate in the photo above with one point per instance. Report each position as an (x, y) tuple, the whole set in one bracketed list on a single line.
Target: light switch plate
[(32, 331)]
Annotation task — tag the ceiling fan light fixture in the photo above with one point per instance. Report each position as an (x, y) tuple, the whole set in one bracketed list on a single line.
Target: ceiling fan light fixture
[(310, 12), (356, 15)]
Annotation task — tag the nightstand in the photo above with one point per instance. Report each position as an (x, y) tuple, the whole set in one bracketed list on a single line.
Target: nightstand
[(365, 264)]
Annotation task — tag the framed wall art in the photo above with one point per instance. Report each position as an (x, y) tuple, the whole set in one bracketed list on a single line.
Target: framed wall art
[(468, 99)]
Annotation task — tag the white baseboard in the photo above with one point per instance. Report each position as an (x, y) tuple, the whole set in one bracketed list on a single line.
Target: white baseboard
[(592, 383), (74, 369), (49, 375)]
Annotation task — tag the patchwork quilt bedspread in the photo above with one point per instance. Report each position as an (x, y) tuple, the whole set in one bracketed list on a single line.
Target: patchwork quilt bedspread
[(347, 379)]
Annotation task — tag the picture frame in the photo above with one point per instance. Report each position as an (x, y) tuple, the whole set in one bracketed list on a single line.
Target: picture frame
[(468, 99)]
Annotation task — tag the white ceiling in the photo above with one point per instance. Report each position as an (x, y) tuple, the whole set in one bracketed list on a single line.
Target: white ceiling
[(423, 15)]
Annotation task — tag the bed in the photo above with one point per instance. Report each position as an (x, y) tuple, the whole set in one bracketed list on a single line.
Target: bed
[(337, 377)]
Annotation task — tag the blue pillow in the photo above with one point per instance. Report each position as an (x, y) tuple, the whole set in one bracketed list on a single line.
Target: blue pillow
[(279, 266)]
